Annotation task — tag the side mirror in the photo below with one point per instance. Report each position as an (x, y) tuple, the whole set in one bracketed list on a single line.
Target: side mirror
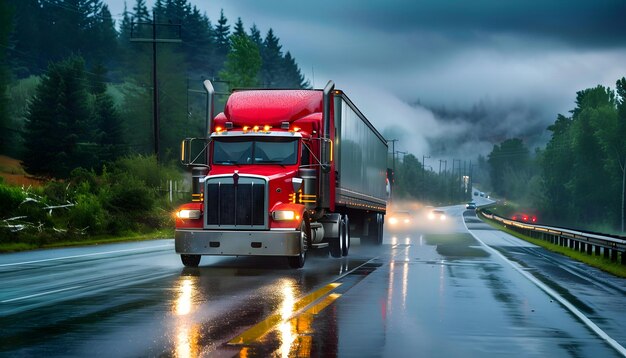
[(194, 152)]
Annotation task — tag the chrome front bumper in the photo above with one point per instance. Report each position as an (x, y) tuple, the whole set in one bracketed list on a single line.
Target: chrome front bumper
[(238, 243)]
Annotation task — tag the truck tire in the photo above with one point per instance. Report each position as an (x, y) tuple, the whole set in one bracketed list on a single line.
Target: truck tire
[(190, 260), (305, 239), (336, 243), (345, 238)]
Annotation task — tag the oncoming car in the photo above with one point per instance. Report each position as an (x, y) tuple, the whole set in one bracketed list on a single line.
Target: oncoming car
[(437, 215), (470, 206), (399, 218)]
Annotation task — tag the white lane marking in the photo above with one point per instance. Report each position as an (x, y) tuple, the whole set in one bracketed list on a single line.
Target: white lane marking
[(589, 323), (85, 255), (39, 294)]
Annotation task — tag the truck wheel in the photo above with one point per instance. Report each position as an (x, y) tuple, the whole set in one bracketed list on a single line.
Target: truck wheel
[(305, 235), (190, 260), (336, 243), (345, 238)]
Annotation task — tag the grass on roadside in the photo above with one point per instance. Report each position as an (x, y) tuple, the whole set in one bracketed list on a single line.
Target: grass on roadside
[(599, 262), (96, 240)]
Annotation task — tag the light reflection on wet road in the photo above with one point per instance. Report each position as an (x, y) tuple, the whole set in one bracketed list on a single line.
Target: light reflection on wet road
[(432, 290)]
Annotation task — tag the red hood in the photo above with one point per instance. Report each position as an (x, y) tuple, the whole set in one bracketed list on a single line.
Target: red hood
[(271, 171)]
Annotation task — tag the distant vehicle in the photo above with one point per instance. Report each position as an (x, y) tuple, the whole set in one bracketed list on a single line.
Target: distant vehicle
[(437, 215), (470, 206), (482, 194), (524, 217), (400, 218), (475, 193)]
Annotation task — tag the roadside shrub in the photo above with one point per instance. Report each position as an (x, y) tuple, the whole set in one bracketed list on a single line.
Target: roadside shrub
[(57, 192), (10, 197), (129, 195), (146, 169), (85, 180), (87, 214)]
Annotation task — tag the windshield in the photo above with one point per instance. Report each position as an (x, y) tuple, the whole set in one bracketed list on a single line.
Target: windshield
[(231, 151)]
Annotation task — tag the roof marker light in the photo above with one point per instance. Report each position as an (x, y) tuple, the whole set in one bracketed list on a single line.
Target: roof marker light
[(266, 128)]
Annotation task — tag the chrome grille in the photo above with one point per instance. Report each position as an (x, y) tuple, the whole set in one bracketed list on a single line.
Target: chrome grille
[(235, 206)]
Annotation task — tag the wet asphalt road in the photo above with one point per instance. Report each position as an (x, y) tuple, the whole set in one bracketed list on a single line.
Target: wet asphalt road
[(431, 290)]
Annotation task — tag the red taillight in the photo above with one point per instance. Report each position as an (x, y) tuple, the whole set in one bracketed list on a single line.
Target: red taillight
[(534, 219), (525, 218), (514, 217)]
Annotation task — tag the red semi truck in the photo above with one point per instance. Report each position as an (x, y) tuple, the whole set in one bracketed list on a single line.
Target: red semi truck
[(283, 172)]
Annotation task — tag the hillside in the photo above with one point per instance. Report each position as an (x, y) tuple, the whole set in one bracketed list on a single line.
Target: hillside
[(12, 172)]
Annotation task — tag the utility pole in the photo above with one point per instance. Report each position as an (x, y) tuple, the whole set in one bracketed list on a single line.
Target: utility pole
[(136, 37), (424, 175), (393, 152)]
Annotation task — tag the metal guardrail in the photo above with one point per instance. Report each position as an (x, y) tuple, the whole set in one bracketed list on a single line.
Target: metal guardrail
[(610, 246)]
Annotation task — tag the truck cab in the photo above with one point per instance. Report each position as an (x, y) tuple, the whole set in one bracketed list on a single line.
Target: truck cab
[(269, 186)]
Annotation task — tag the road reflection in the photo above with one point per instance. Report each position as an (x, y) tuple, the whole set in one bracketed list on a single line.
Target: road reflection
[(188, 333), (287, 332)]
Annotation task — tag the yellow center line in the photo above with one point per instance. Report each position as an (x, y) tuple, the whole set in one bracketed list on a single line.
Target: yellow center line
[(258, 330), (323, 304)]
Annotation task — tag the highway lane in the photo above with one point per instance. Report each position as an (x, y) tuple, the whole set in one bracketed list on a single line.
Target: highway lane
[(136, 299), (432, 290)]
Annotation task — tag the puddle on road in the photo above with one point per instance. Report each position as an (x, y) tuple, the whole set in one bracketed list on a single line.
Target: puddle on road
[(456, 245)]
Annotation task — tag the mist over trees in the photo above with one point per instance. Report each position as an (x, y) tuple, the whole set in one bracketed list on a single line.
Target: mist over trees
[(54, 53), (579, 178)]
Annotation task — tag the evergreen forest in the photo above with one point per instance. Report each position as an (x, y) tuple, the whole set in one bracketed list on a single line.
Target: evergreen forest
[(78, 81), (76, 110)]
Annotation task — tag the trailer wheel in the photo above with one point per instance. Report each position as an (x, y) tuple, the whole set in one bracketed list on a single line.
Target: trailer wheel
[(336, 243), (345, 238), (305, 238), (190, 260)]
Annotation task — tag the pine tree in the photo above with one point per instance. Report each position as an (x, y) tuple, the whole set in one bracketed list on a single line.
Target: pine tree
[(255, 36), (107, 124), (272, 57), (239, 30), (26, 38), (104, 36), (222, 44), (291, 77), (200, 45), (243, 64), (56, 121), (6, 17), (140, 12)]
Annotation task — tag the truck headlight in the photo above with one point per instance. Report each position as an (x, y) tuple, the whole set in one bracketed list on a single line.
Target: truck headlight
[(188, 214), (285, 215)]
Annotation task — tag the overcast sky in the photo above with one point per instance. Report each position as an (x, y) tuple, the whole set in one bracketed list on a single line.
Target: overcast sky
[(448, 78)]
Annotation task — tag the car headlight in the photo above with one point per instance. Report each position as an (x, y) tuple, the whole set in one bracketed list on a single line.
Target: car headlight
[(188, 214), (285, 215), (431, 216), (443, 217), (406, 221), (393, 221)]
